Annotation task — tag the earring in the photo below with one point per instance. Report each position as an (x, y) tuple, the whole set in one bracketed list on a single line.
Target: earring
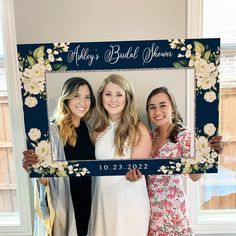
[(172, 116)]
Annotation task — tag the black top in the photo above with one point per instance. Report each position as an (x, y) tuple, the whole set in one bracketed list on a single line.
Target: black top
[(81, 186)]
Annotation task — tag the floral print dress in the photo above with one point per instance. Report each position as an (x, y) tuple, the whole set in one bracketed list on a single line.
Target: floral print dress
[(167, 197)]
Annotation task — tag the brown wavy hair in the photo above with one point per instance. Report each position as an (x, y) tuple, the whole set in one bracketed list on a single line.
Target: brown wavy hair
[(63, 116)]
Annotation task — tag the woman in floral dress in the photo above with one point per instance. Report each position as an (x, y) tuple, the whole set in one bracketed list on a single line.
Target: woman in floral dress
[(169, 140), (168, 216)]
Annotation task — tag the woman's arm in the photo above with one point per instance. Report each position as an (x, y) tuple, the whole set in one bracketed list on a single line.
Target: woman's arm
[(143, 146), (142, 149), (29, 159)]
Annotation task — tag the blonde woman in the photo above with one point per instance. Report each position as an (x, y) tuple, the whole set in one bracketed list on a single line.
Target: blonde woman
[(119, 207), (62, 205)]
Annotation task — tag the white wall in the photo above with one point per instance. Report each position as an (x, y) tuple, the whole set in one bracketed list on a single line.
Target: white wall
[(88, 20)]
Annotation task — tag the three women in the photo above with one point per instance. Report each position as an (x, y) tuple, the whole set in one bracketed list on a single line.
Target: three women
[(120, 207)]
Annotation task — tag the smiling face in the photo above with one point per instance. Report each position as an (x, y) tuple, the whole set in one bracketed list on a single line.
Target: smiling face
[(160, 110), (113, 100), (79, 105)]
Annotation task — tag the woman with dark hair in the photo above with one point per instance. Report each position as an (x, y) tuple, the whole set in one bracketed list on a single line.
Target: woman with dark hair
[(63, 205), (170, 139)]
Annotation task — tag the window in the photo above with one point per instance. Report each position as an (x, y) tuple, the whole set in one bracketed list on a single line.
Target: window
[(15, 217), (212, 201)]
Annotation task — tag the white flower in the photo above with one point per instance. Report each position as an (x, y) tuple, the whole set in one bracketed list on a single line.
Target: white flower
[(46, 163), (205, 81), (191, 63), (199, 157), (209, 129), (61, 168), (202, 146), (188, 54), (59, 59), (180, 55), (49, 51), (214, 154), (70, 167), (65, 49), (71, 170), (210, 96), (201, 65), (189, 46), (34, 134), (84, 171), (37, 71), (43, 150), (65, 163), (163, 169), (51, 57), (34, 85), (178, 166), (173, 45), (31, 101), (48, 67), (57, 164)]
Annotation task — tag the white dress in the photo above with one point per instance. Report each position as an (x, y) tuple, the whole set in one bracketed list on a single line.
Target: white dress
[(119, 207)]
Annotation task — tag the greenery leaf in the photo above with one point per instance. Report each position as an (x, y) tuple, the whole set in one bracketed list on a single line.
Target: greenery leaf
[(38, 53), (52, 171), (187, 169), (56, 66), (207, 55), (183, 62), (195, 167), (177, 65), (200, 45), (192, 57), (61, 173), (63, 68), (46, 62), (31, 60), (59, 67)]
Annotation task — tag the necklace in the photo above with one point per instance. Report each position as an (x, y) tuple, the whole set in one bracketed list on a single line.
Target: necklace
[(162, 139), (159, 141)]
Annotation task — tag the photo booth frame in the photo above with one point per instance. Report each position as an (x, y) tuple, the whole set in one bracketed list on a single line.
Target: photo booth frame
[(202, 55)]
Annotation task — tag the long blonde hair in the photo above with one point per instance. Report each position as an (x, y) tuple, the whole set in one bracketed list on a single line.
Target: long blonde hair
[(63, 116), (127, 128)]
